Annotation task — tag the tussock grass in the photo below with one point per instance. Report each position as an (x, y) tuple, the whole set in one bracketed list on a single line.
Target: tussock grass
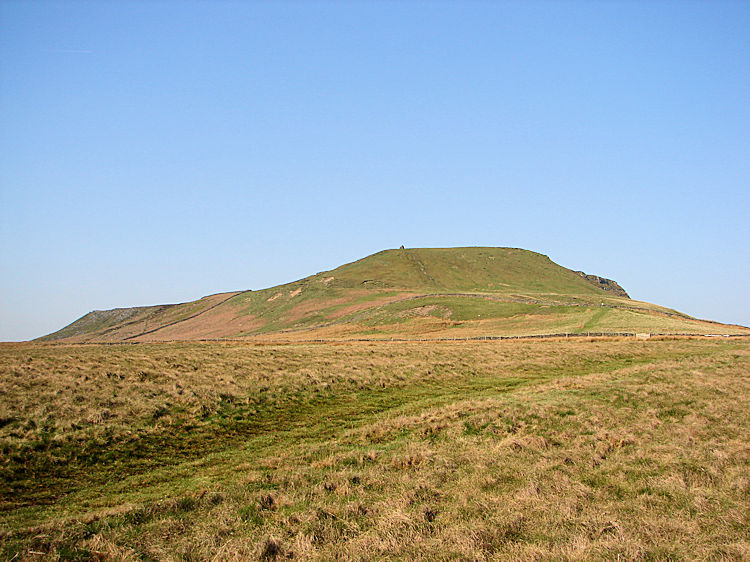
[(561, 450)]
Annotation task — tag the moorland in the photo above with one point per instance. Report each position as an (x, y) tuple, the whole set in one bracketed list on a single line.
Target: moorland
[(373, 412), (570, 449)]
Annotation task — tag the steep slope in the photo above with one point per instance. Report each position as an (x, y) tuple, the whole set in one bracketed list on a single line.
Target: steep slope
[(440, 292), (122, 323)]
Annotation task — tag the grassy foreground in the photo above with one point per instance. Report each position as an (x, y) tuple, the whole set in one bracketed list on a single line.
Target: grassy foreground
[(498, 450)]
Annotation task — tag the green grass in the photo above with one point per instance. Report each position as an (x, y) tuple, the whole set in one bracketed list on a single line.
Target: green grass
[(464, 269), (593, 322)]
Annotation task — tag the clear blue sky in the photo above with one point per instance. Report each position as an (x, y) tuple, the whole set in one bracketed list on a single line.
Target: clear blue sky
[(155, 152)]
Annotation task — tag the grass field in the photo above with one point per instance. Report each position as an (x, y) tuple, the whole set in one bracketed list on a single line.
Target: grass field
[(498, 450)]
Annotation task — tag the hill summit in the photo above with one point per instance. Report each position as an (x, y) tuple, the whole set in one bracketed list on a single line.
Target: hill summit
[(415, 292)]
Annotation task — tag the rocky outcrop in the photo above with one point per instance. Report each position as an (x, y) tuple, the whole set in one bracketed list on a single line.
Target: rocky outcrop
[(605, 284)]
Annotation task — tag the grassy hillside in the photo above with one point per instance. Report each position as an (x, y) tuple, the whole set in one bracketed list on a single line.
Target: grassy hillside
[(435, 292), (462, 269), (551, 450)]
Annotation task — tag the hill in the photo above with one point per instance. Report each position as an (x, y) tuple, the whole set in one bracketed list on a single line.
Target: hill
[(421, 292)]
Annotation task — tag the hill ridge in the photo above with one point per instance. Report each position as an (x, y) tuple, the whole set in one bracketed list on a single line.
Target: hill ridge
[(476, 290)]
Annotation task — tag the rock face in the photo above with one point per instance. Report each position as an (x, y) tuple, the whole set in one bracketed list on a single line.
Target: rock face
[(605, 284)]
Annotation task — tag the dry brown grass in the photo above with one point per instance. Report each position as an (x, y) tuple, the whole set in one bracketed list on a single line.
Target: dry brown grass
[(547, 450), (215, 323)]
